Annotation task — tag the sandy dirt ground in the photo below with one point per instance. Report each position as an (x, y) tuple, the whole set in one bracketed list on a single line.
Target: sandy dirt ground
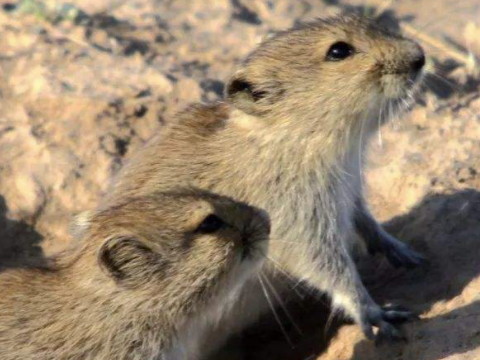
[(84, 85)]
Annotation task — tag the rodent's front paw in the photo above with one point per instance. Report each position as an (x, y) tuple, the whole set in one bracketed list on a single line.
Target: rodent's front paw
[(400, 254), (385, 319)]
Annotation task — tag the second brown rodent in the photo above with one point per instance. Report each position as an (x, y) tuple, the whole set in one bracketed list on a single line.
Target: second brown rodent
[(146, 280)]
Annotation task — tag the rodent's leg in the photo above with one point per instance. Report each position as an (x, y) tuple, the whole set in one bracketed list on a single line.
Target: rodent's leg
[(335, 273), (378, 240)]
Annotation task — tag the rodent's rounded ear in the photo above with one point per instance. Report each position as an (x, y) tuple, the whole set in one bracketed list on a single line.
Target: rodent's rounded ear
[(129, 261), (242, 94)]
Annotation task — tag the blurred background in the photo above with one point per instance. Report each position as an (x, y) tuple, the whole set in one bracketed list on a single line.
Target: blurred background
[(84, 83)]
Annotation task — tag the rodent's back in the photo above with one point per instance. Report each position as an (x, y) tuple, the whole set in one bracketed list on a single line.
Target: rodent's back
[(37, 311), (184, 154)]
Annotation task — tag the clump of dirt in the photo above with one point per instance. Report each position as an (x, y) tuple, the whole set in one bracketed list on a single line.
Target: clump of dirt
[(84, 83)]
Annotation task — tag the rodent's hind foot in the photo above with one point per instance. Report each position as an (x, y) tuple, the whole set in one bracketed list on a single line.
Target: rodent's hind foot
[(400, 254), (385, 319)]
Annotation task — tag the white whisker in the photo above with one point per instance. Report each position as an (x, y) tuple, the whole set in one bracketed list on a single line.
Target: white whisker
[(380, 121), (275, 314), (447, 82), (281, 303), (278, 267), (329, 322), (452, 86), (360, 152)]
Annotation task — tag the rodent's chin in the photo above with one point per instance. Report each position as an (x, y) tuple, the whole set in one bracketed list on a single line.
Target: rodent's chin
[(247, 265), (400, 86)]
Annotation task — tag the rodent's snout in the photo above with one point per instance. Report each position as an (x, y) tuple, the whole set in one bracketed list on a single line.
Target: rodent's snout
[(263, 219), (401, 68), (256, 233), (418, 63), (407, 57)]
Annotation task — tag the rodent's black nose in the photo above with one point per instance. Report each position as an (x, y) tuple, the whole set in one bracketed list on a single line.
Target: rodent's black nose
[(246, 247), (418, 63), (247, 241)]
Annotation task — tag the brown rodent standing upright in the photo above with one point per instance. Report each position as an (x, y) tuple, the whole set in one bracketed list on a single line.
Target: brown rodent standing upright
[(147, 279), (290, 138)]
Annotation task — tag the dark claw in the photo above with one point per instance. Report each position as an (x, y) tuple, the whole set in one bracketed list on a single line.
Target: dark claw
[(397, 314), (385, 319)]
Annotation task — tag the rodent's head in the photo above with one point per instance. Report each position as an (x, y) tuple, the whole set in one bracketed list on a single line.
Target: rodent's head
[(181, 247), (345, 65)]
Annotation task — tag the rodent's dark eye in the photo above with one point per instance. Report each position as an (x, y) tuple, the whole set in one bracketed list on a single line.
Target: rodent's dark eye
[(210, 224), (339, 51)]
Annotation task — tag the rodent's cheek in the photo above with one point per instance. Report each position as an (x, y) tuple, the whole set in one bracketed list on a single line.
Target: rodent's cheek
[(228, 253), (232, 237), (395, 86), (213, 251)]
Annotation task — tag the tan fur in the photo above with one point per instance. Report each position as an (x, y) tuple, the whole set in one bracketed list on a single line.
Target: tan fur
[(142, 282), (290, 138)]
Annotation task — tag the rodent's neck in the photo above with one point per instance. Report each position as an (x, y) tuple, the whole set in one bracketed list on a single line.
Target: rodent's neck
[(308, 143)]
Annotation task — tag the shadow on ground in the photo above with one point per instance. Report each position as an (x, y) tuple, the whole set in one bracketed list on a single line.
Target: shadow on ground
[(19, 242), (446, 229), (464, 339)]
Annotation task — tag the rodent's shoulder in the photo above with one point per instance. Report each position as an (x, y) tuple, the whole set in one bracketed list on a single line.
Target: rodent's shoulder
[(202, 119)]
